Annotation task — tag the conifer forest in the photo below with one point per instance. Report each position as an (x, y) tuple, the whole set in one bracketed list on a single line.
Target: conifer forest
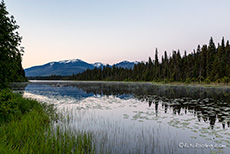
[(208, 63)]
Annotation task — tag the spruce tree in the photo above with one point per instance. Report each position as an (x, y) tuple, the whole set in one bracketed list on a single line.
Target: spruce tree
[(223, 59), (156, 68), (203, 61), (165, 67), (227, 58), (10, 50), (210, 58), (203, 64)]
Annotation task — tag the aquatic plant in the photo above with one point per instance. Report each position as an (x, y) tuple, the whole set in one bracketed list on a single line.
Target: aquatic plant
[(28, 127)]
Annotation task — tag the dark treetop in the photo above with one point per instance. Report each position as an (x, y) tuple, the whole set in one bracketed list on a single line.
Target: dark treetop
[(10, 51)]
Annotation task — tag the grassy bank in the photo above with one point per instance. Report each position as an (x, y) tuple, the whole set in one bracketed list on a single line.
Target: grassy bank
[(190, 83), (27, 126), (201, 84)]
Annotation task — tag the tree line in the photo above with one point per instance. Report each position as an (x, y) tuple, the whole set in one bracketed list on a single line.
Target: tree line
[(10, 49), (207, 63)]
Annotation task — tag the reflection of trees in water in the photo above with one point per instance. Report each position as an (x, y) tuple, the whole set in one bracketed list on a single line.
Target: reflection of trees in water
[(145, 89), (209, 104), (208, 110), (19, 87)]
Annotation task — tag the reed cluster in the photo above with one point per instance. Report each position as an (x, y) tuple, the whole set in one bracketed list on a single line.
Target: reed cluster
[(27, 126)]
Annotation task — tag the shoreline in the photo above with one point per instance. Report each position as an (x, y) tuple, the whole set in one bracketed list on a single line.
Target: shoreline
[(195, 84)]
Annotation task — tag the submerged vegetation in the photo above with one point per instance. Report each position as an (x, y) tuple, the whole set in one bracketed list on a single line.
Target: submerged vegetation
[(27, 127), (141, 117)]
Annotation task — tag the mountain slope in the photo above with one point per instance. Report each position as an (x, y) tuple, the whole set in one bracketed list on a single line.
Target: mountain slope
[(126, 64), (68, 67)]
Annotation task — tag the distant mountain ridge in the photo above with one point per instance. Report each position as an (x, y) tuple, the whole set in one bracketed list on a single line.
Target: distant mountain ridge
[(126, 64), (68, 67)]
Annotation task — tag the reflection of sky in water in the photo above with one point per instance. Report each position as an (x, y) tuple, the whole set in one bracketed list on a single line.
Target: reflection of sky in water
[(67, 91), (52, 91), (136, 123)]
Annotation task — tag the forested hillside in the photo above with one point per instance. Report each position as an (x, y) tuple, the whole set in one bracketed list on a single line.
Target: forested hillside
[(208, 63), (10, 49)]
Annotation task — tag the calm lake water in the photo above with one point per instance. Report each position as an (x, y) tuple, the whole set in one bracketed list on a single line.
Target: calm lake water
[(141, 117)]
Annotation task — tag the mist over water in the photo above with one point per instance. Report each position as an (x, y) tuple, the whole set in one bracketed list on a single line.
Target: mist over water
[(141, 117)]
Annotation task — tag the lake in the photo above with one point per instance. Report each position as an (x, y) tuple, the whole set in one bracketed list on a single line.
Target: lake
[(126, 117)]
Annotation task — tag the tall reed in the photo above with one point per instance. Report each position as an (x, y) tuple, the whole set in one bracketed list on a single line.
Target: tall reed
[(34, 131)]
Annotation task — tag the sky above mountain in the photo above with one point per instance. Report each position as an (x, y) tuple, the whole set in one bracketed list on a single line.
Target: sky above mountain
[(110, 31)]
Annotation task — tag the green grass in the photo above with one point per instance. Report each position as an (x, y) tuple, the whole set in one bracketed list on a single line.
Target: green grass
[(202, 84), (29, 127)]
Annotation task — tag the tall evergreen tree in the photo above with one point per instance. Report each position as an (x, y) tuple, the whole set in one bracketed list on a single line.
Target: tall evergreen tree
[(210, 57), (184, 66), (178, 68), (156, 68), (165, 63), (227, 59), (192, 67), (222, 58), (10, 50), (203, 61), (156, 58)]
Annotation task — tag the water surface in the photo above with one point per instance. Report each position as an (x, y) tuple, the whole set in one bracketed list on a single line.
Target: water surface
[(141, 117)]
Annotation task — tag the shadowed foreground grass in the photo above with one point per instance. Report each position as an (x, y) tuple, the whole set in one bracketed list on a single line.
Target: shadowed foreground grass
[(33, 129)]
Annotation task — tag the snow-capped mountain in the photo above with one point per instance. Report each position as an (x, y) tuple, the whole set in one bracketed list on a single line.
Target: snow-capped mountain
[(126, 64), (68, 67), (98, 64)]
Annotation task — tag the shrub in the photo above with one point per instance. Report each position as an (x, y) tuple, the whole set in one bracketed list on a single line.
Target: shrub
[(171, 80), (201, 78), (126, 80), (166, 80), (218, 80), (13, 105), (188, 80), (194, 79), (225, 80), (207, 80)]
